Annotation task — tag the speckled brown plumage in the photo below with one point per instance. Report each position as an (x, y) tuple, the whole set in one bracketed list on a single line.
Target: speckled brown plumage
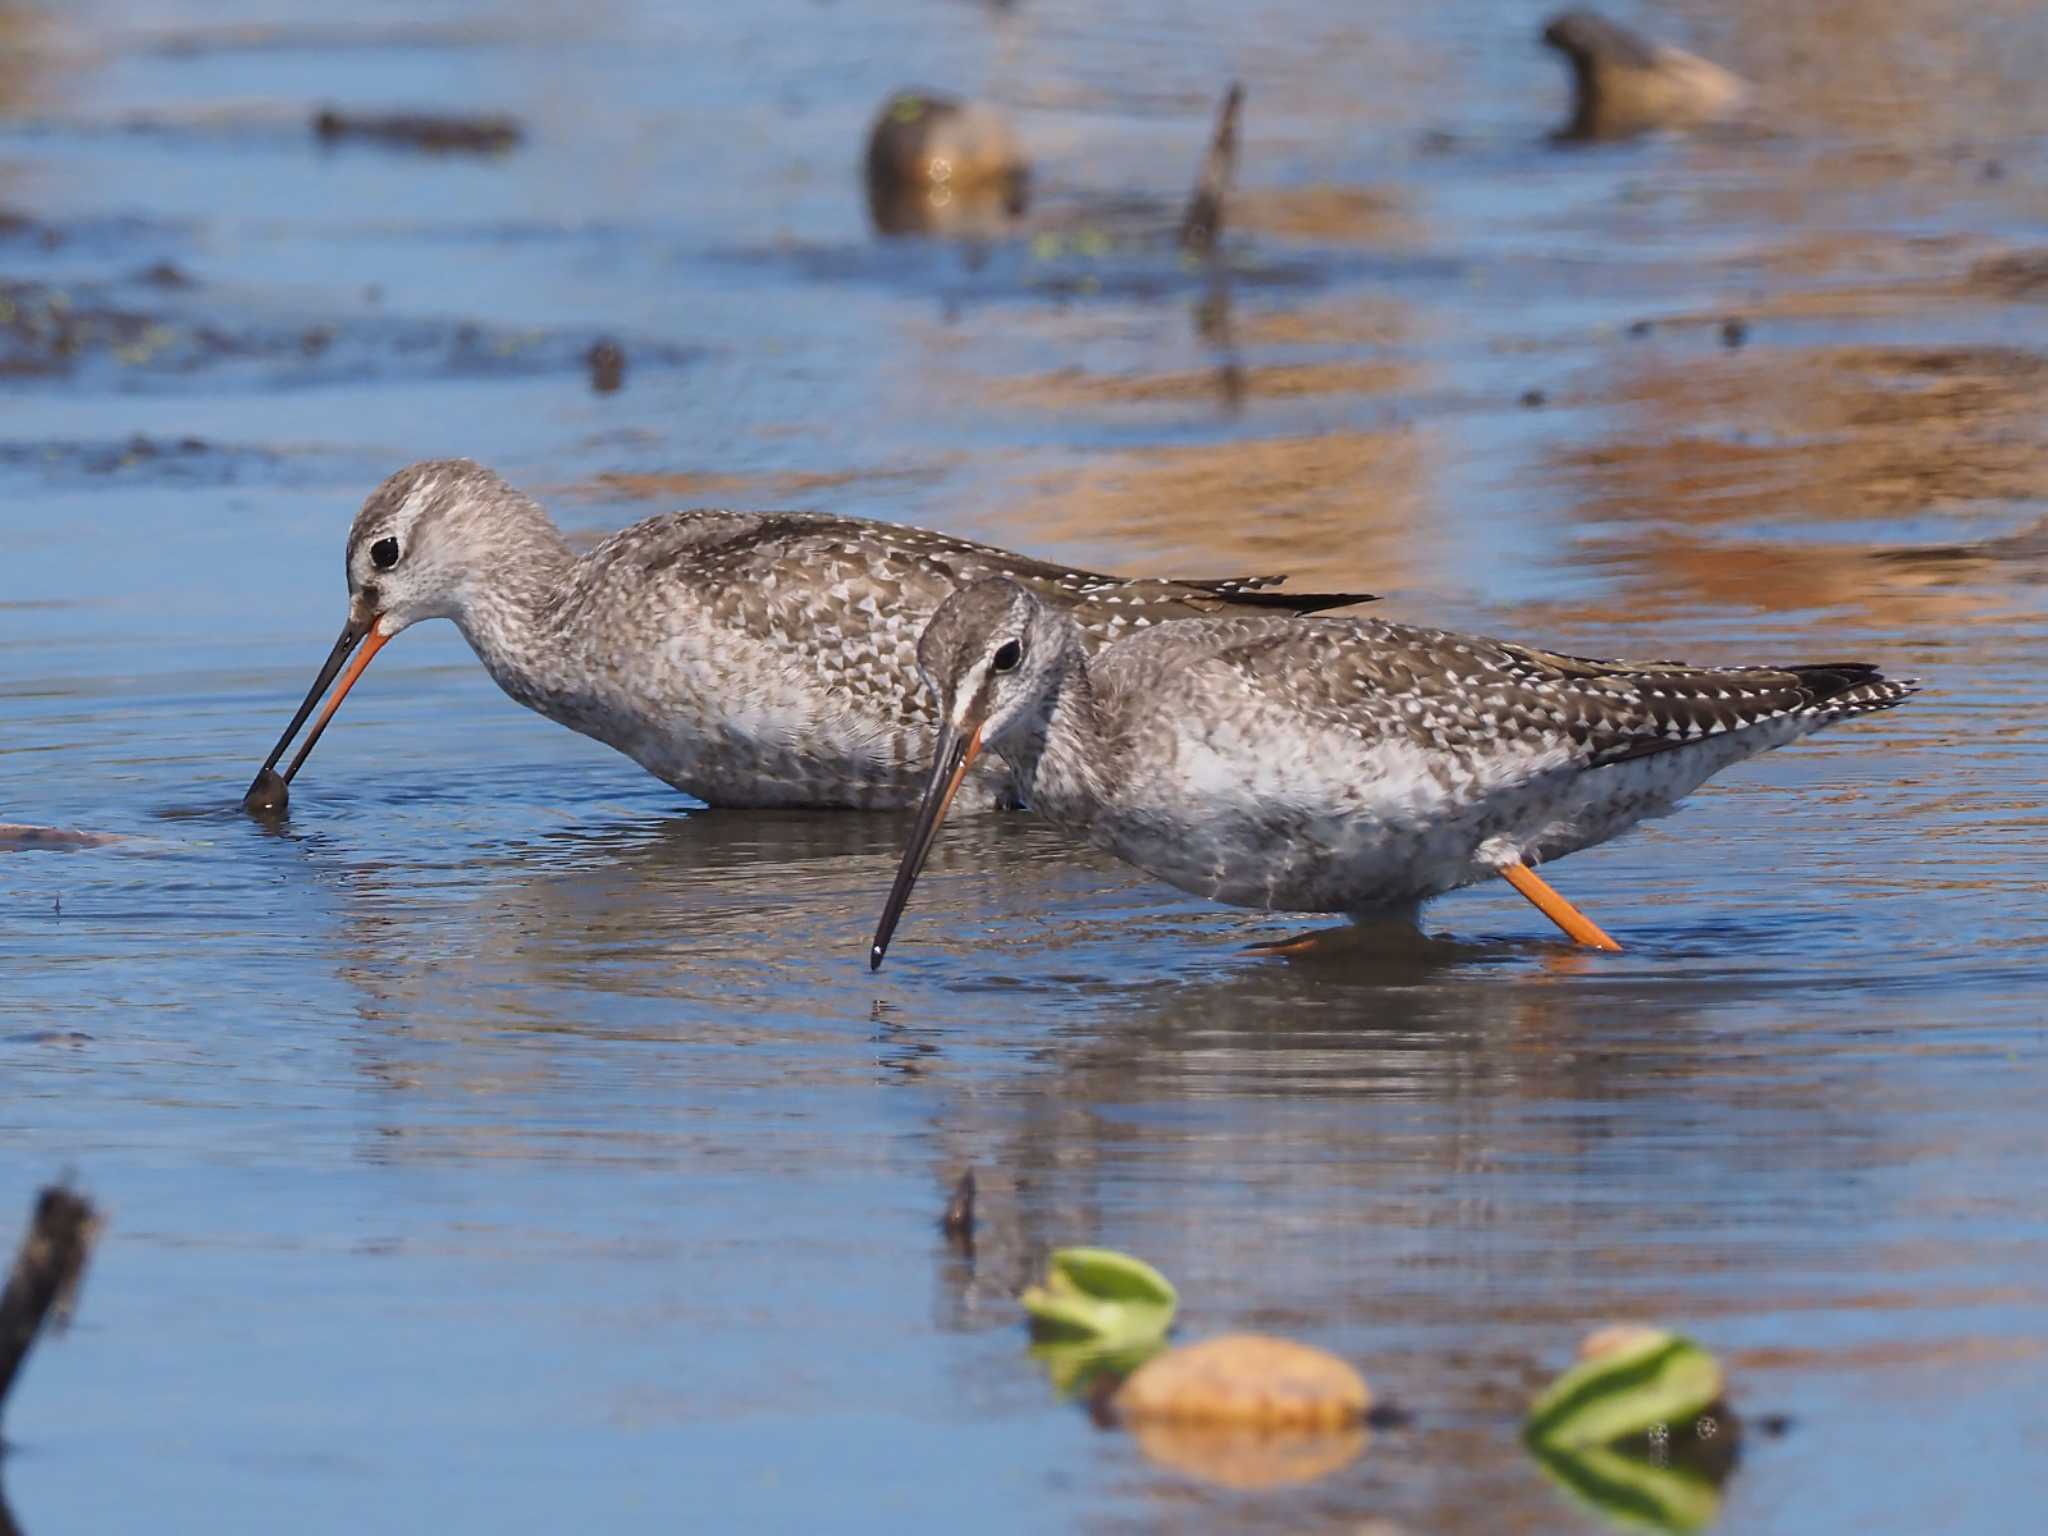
[(746, 658), (1351, 765)]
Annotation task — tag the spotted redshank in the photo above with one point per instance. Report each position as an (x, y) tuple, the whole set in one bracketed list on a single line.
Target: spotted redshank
[(1338, 765), (749, 659)]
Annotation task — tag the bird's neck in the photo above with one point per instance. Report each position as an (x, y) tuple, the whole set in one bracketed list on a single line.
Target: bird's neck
[(1059, 760), (514, 607)]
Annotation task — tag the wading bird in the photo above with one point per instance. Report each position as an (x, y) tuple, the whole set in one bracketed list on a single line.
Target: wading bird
[(1338, 765), (749, 659)]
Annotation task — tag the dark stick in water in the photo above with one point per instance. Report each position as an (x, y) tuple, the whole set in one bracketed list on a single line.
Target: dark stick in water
[(1202, 225), (433, 132), (46, 1276), (958, 1222)]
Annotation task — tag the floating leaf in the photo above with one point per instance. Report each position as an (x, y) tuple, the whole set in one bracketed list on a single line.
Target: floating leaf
[(1074, 1366), (1629, 1381), (1115, 1276), (1630, 1491), (1099, 1296)]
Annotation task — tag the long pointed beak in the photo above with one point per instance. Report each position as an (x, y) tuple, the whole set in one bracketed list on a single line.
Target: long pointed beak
[(949, 770), (356, 632)]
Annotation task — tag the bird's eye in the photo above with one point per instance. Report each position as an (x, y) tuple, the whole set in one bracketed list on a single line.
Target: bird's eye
[(384, 554), (1007, 655)]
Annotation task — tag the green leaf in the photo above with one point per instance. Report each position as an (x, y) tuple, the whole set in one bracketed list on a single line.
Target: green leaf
[(1099, 1296), (1630, 1492), (1114, 1276), (1060, 1316), (1647, 1379), (1075, 1367)]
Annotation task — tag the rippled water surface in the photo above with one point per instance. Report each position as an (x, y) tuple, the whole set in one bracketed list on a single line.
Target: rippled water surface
[(498, 1142)]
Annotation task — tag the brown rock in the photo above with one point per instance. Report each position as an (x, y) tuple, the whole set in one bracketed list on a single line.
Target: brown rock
[(1249, 1380), (1235, 1456), (1624, 84), (939, 165)]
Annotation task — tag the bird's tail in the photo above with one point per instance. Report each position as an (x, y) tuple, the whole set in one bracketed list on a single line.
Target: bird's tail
[(1259, 592), (1844, 688)]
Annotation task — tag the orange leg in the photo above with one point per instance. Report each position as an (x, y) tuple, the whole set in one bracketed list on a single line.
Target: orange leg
[(1297, 946), (1553, 906)]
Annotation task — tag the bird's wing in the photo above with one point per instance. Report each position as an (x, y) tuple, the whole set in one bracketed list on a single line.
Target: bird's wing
[(1466, 694), (893, 562)]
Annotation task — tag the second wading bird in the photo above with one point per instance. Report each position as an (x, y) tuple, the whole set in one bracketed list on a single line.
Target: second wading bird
[(747, 658), (1339, 765)]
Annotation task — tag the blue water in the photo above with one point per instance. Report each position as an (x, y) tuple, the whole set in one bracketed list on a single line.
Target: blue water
[(499, 1143)]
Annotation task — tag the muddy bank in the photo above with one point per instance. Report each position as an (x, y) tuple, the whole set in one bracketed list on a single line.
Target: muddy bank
[(19, 837), (165, 329), (1841, 433), (1330, 507)]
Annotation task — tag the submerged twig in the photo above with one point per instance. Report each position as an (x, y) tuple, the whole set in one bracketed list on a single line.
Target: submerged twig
[(46, 1276), (958, 1222), (433, 132), (1202, 225)]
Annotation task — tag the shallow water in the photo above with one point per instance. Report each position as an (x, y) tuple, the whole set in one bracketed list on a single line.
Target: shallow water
[(497, 1142)]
